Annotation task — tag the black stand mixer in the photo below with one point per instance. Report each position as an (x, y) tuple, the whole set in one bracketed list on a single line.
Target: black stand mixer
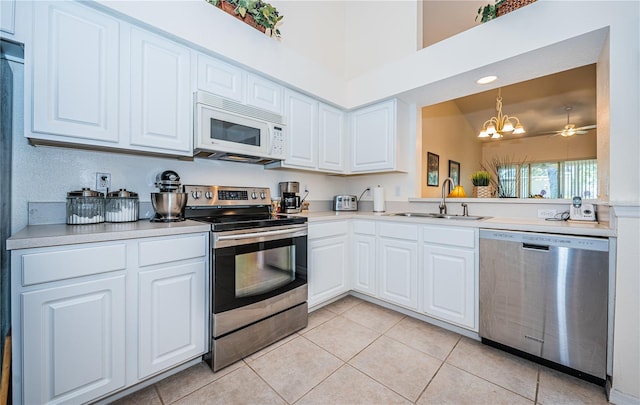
[(169, 203)]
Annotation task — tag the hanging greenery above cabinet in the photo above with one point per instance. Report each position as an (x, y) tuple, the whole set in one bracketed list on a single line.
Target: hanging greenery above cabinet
[(257, 13)]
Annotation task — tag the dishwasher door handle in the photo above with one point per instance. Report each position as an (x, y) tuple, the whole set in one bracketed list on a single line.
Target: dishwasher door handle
[(531, 246)]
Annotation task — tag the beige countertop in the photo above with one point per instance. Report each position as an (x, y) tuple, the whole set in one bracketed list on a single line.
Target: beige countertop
[(514, 224), (35, 236), (60, 234)]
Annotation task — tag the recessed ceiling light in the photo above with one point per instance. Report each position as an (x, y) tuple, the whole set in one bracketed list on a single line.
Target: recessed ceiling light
[(486, 79)]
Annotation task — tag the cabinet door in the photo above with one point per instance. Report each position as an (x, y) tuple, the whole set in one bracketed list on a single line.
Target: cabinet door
[(449, 284), (398, 266), (220, 78), (327, 270), (331, 140), (373, 137), (8, 16), (75, 72), (265, 94), (171, 316), (302, 126), (160, 94), (74, 341), (364, 264)]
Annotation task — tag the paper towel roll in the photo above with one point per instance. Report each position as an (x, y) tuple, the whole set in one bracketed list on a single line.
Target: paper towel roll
[(378, 199)]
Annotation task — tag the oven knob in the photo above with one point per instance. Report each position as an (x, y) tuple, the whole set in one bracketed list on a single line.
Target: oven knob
[(196, 194), (263, 195), (253, 195), (208, 195)]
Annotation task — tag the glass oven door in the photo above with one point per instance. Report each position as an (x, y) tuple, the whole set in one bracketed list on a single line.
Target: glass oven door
[(250, 266)]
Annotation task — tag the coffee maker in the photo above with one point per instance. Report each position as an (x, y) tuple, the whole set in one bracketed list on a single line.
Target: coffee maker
[(290, 200)]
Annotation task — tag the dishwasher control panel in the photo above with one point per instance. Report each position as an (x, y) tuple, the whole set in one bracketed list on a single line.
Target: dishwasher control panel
[(576, 242)]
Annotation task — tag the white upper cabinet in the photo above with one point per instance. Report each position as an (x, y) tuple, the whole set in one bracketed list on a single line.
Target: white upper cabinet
[(379, 137), (331, 139), (75, 72), (160, 93), (8, 16), (302, 126), (223, 79), (316, 135), (265, 94), (100, 83)]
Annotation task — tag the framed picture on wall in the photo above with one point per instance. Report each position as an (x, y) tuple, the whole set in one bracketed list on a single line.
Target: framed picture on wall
[(433, 169), (454, 172)]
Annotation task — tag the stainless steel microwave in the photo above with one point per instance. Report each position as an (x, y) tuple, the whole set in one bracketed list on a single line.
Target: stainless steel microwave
[(228, 130)]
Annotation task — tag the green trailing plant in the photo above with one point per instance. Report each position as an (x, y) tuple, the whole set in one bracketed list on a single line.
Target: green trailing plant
[(488, 12), (263, 13), (481, 178)]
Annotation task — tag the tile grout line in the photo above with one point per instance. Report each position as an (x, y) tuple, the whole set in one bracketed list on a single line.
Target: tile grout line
[(437, 371), (265, 381), (537, 386), (155, 387), (484, 379)]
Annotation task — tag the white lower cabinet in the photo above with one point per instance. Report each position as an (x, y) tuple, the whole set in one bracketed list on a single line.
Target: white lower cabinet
[(79, 310), (363, 246), (450, 275), (73, 341), (171, 318), (398, 264), (327, 261)]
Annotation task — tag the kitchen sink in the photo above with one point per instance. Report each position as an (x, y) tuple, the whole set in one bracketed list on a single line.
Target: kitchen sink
[(436, 215)]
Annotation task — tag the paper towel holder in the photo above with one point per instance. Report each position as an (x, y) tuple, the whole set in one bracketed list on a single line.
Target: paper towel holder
[(378, 206)]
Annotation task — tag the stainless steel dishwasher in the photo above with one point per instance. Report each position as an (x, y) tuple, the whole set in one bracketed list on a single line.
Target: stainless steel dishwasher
[(546, 295)]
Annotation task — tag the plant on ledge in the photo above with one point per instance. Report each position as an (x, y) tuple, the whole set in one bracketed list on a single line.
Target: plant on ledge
[(501, 7), (481, 178), (257, 13), (488, 12)]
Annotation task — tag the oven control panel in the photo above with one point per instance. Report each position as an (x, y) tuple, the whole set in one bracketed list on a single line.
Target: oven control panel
[(203, 196)]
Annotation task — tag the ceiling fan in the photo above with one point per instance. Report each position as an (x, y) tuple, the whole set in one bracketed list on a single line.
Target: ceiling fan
[(570, 129)]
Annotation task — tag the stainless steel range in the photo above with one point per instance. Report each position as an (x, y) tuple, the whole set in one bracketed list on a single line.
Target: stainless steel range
[(258, 270)]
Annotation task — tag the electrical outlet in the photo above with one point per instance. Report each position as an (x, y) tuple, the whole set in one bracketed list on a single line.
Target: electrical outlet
[(306, 188), (547, 213), (103, 181)]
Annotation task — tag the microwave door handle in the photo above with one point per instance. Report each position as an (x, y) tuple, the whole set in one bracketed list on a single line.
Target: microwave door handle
[(269, 140)]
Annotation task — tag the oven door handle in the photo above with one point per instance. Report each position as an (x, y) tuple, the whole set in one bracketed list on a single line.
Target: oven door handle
[(251, 235)]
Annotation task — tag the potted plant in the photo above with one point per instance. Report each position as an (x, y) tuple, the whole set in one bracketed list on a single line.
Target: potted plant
[(488, 12), (481, 184), (501, 7), (257, 13)]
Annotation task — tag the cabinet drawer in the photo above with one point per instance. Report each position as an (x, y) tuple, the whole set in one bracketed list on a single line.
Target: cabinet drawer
[(399, 231), (325, 229), (364, 227), (442, 235), (158, 251), (56, 265)]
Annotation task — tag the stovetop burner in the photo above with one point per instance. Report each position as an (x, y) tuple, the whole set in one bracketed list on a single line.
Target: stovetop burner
[(232, 208)]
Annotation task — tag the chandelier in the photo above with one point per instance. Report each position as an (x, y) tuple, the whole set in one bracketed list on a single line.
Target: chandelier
[(495, 127)]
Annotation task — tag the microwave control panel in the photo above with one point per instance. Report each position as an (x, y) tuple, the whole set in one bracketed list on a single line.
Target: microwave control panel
[(277, 143)]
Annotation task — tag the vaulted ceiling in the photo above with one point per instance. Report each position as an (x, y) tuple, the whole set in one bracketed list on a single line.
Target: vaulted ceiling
[(539, 104)]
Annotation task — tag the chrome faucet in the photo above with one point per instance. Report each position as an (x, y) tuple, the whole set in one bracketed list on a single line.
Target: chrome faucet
[(442, 206)]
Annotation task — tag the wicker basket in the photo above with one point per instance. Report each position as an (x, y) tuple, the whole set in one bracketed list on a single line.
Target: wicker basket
[(508, 6), (482, 191)]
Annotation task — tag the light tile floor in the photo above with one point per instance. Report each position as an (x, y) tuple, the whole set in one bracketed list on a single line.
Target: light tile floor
[(355, 352)]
